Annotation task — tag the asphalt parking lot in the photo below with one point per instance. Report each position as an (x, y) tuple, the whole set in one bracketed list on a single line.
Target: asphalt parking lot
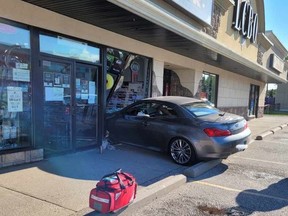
[(253, 182)]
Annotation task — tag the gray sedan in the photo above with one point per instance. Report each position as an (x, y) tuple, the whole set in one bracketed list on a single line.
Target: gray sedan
[(188, 129)]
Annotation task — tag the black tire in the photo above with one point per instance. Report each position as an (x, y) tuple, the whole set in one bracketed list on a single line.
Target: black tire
[(182, 152)]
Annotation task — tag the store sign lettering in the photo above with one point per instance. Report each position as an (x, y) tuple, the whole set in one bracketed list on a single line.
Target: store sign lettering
[(245, 20)]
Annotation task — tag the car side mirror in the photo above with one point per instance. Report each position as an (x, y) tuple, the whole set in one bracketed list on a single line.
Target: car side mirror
[(142, 114)]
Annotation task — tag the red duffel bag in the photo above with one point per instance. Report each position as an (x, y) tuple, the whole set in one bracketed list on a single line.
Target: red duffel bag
[(113, 192)]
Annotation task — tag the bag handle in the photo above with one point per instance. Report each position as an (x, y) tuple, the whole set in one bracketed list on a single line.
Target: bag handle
[(127, 176), (116, 173)]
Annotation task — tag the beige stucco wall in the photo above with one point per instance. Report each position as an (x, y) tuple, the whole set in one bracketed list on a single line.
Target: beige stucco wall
[(233, 89), (158, 68), (187, 78), (233, 39), (266, 63)]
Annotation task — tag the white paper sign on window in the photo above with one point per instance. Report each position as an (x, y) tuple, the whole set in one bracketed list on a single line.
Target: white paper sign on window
[(15, 99), (92, 95), (54, 94), (21, 75)]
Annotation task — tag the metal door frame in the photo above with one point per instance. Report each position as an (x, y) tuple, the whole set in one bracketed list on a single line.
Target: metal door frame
[(73, 92), (40, 91), (39, 117)]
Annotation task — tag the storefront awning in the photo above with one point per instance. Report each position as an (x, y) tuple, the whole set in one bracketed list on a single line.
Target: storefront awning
[(159, 29)]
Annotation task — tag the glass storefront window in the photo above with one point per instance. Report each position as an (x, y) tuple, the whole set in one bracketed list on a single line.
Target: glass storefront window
[(15, 87), (127, 79), (115, 64), (209, 87), (253, 100), (66, 47)]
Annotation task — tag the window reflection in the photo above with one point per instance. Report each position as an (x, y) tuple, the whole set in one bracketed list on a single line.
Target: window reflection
[(209, 87), (11, 35), (15, 87), (127, 79), (69, 48)]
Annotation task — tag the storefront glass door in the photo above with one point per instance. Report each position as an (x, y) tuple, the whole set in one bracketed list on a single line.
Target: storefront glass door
[(57, 106), (253, 100), (86, 105), (70, 105)]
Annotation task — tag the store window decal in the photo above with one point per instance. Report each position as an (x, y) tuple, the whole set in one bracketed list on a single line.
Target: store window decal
[(66, 81), (15, 87), (48, 79)]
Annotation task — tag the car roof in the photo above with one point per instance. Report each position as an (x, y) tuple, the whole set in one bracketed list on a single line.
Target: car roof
[(179, 100)]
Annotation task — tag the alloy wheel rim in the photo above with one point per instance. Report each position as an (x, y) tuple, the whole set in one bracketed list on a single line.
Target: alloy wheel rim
[(181, 151)]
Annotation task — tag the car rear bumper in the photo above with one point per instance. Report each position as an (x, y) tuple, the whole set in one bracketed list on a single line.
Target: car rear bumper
[(222, 147)]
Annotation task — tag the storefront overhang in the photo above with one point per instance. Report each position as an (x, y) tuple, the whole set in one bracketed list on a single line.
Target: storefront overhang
[(151, 25)]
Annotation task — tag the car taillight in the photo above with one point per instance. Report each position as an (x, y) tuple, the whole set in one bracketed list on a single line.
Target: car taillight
[(215, 132)]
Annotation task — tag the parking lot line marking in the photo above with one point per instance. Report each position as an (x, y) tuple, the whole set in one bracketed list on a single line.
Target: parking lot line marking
[(240, 191), (278, 142), (259, 160)]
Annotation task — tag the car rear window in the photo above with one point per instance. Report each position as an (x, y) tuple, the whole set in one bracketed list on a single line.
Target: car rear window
[(200, 109)]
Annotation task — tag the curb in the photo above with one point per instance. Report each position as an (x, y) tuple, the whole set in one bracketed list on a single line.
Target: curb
[(263, 135), (201, 168), (144, 196), (155, 191), (271, 131), (276, 129)]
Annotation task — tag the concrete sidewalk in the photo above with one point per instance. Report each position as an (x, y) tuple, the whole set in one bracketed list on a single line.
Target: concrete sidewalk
[(61, 185), (268, 125)]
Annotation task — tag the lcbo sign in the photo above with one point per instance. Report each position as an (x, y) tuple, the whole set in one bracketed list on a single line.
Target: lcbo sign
[(245, 20)]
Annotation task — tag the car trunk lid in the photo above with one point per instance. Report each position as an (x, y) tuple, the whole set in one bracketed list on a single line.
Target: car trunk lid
[(225, 121)]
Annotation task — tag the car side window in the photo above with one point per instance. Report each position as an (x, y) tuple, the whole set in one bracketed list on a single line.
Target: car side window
[(152, 110), (164, 110), (137, 110)]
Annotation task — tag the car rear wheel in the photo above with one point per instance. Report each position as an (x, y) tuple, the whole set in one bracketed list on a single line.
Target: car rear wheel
[(182, 151)]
